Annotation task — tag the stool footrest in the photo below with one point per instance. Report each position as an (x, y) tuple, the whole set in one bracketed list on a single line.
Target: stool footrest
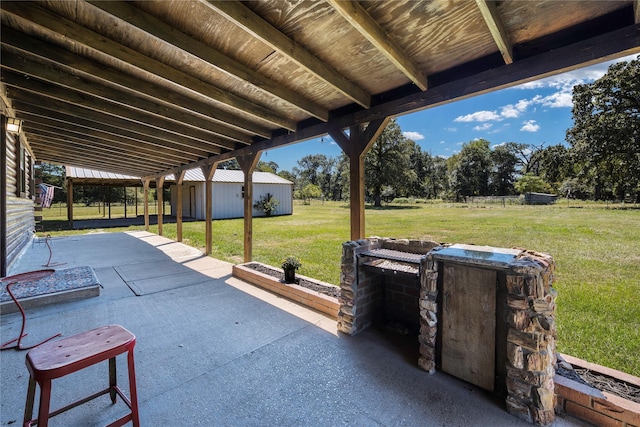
[(117, 389)]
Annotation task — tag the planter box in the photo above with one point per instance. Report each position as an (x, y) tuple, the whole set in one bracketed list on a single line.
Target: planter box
[(590, 404), (312, 299)]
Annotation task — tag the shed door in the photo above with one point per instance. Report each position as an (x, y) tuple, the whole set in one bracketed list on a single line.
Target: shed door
[(468, 324)]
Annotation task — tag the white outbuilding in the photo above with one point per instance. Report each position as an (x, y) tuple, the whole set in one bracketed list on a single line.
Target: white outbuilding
[(228, 192)]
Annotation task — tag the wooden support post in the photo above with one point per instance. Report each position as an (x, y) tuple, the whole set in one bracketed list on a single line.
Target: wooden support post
[(179, 175), (159, 198), (248, 164), (355, 146), (208, 172), (125, 202), (70, 201), (145, 184)]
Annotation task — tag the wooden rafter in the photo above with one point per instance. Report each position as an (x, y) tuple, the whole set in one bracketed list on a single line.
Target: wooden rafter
[(108, 142), (369, 28), (490, 14), (61, 81), (129, 86), (35, 114), (216, 59), (104, 105), (244, 18), (31, 103)]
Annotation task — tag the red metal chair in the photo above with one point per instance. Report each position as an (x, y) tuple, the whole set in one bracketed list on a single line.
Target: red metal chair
[(56, 359)]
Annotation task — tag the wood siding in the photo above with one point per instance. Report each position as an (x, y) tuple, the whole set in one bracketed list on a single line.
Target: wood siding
[(19, 216)]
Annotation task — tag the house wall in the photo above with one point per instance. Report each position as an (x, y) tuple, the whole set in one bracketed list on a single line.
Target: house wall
[(16, 211), (227, 199)]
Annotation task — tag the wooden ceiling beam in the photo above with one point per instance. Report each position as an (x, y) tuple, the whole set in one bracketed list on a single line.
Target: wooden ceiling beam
[(358, 17), (129, 86), (109, 150), (63, 160), (113, 99), (255, 25), (35, 114), (106, 141), (28, 84), (159, 29), (496, 28), (50, 146), (86, 42), (42, 105)]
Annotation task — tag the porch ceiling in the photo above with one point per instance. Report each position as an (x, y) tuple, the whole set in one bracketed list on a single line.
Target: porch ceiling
[(145, 88)]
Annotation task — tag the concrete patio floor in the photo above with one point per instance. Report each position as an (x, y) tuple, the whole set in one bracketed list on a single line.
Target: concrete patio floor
[(215, 351)]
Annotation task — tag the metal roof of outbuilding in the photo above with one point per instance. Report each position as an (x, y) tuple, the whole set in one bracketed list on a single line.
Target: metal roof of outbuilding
[(233, 176), (94, 177)]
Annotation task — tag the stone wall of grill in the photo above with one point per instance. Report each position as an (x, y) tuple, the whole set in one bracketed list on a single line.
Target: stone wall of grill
[(373, 291)]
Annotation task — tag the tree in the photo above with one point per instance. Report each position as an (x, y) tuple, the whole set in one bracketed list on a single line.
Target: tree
[(470, 173), (229, 165), (437, 179), (310, 191), (315, 169), (555, 165), (530, 183), (387, 163), (505, 163), (267, 167), (605, 137), (287, 175)]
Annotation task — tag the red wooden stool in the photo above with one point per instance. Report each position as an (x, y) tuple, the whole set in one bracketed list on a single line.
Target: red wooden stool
[(56, 359)]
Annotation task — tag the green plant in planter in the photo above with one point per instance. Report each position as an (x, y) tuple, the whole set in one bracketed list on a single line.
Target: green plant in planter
[(290, 265), (267, 204)]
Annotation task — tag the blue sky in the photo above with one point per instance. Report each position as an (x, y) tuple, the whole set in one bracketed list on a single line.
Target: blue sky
[(537, 113)]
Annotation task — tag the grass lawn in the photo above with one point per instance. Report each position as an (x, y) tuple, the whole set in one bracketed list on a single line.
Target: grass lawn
[(596, 249)]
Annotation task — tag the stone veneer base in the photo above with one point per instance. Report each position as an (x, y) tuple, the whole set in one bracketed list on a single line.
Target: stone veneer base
[(312, 299), (592, 405)]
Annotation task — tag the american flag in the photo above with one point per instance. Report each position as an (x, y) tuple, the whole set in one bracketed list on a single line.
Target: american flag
[(46, 195)]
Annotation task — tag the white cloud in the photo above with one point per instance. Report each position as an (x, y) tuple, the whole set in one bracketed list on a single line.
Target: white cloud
[(557, 100), (571, 78), (561, 98), (478, 116), (452, 129), (484, 126), (530, 126), (513, 111), (442, 142), (415, 136)]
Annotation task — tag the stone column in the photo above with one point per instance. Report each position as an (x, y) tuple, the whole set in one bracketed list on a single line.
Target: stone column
[(354, 307), (531, 339), (428, 314)]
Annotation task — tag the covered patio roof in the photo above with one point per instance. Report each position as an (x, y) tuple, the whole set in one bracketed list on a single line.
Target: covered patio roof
[(148, 88)]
